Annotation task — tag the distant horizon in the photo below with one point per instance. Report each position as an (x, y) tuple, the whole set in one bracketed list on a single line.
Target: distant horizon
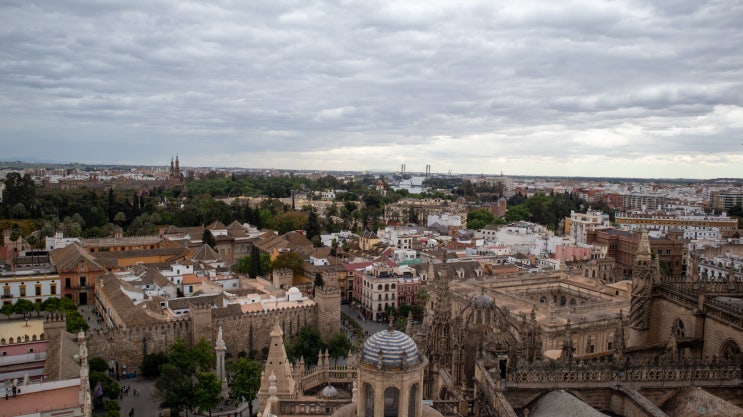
[(382, 171)]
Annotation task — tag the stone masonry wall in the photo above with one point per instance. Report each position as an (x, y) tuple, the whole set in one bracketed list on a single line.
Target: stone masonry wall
[(128, 347), (328, 301), (244, 332)]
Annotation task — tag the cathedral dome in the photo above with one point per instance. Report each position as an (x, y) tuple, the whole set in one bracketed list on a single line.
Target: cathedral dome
[(390, 348), (329, 392), (482, 301)]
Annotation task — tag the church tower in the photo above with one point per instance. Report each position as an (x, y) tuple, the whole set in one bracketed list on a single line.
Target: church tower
[(438, 346), (645, 274)]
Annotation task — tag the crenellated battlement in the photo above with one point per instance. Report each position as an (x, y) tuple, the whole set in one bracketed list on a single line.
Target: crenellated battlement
[(243, 332)]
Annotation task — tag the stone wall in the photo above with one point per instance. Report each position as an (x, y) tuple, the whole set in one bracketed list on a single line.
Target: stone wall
[(328, 301), (241, 332), (663, 315), (716, 334), (252, 332), (128, 347)]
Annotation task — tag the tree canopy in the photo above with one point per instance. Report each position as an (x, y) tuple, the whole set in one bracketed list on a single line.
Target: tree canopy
[(245, 380)]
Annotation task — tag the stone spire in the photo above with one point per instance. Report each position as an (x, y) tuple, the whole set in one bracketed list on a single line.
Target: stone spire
[(277, 364), (645, 273), (439, 343)]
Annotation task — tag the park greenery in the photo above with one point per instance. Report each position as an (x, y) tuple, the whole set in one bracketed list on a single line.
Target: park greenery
[(74, 321), (35, 213), (308, 344), (186, 382), (109, 388)]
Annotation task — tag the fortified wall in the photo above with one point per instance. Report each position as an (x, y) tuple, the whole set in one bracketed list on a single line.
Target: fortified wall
[(244, 332)]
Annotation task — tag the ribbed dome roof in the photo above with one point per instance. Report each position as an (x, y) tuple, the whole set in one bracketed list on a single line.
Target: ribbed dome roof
[(329, 392), (390, 348), (482, 301)]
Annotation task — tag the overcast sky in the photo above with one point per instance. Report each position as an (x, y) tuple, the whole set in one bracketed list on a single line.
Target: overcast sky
[(584, 88)]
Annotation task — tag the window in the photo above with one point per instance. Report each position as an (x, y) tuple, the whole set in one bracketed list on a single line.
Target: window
[(67, 283), (53, 289), (38, 289), (83, 282), (23, 290)]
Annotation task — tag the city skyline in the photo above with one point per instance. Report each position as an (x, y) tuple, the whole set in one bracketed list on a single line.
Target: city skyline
[(625, 89)]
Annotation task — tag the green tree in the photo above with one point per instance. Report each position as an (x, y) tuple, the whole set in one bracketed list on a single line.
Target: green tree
[(120, 218), (422, 296), (23, 306), (307, 345), (339, 345), (245, 381), (7, 309), (97, 364), (256, 264), (517, 213), (151, 364), (112, 408), (19, 190), (50, 304), (319, 282), (290, 260), (207, 392), (176, 388), (288, 221), (99, 374), (208, 238), (478, 219), (313, 226), (180, 357), (202, 356), (15, 232)]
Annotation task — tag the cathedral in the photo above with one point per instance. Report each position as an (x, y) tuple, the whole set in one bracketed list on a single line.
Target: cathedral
[(543, 345)]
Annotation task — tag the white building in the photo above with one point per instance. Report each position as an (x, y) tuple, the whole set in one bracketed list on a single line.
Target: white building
[(444, 219), (583, 223), (59, 241), (29, 286)]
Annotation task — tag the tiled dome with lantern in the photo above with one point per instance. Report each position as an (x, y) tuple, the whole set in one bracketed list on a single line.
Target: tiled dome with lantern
[(390, 348)]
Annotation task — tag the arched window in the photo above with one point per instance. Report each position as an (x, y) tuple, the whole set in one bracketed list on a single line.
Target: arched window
[(730, 350), (563, 300), (391, 402), (412, 400), (678, 329), (368, 400)]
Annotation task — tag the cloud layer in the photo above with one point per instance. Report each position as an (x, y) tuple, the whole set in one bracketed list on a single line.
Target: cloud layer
[(611, 88)]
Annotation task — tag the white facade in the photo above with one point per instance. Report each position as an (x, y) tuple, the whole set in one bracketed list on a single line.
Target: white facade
[(444, 220), (583, 223), (33, 288), (59, 241)]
